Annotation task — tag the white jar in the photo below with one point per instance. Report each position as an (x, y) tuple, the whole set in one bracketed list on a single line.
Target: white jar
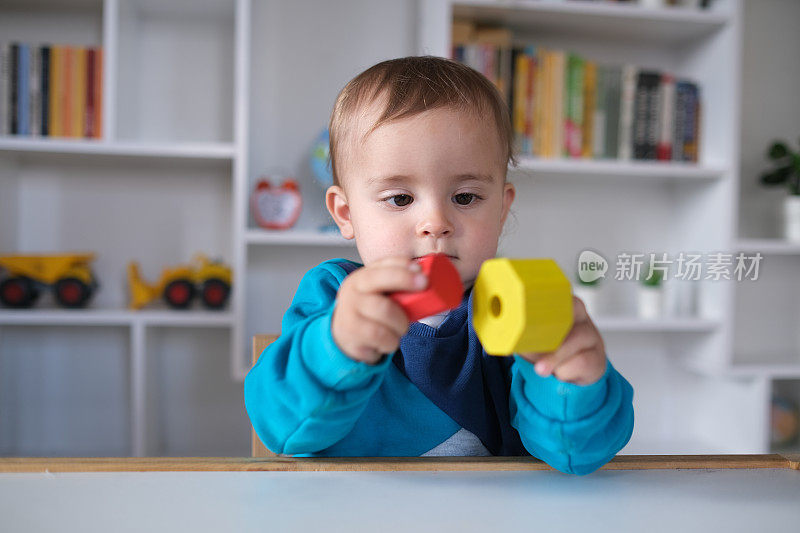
[(650, 302), (791, 218)]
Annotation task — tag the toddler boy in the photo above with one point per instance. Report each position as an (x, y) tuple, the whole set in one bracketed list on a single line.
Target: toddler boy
[(420, 147)]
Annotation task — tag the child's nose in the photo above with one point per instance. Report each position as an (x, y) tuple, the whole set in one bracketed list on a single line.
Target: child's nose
[(435, 224)]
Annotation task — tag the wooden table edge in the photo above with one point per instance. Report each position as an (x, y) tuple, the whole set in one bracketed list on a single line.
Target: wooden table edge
[(377, 464)]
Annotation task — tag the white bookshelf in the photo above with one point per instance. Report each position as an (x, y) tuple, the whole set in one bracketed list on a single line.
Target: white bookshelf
[(625, 324), (163, 182), (265, 237), (566, 206), (87, 147), (613, 170), (768, 246)]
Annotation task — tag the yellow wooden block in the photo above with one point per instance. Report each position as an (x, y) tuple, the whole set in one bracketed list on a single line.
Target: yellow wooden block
[(521, 305)]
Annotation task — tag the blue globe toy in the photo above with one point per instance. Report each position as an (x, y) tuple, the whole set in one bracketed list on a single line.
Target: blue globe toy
[(320, 154)]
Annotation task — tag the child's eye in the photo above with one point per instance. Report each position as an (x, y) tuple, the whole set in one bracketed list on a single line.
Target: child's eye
[(400, 200), (465, 198)]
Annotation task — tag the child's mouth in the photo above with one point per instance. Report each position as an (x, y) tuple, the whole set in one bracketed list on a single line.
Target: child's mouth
[(450, 257)]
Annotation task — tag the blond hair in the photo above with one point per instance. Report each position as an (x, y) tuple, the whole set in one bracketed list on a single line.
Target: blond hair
[(410, 85)]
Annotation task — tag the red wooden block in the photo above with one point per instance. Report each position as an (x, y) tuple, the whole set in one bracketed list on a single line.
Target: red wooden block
[(444, 290)]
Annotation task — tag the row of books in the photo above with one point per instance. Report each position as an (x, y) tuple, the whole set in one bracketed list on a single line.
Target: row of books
[(51, 90), (564, 105)]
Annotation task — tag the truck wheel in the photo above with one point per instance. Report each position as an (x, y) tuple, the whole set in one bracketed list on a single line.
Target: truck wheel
[(179, 293), (18, 292), (72, 293), (215, 293)]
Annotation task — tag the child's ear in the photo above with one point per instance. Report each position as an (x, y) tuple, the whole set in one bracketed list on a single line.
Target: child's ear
[(508, 198), (337, 205)]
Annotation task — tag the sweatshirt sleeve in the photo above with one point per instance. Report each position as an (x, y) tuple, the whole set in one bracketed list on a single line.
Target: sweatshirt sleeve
[(573, 428), (304, 394)]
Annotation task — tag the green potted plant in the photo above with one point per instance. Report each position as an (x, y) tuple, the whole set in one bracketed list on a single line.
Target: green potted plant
[(786, 172), (651, 294)]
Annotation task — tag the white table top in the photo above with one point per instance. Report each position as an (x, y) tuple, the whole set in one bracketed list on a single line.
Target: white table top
[(751, 500)]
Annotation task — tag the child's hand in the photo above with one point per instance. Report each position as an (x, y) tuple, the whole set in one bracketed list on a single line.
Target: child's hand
[(581, 358), (366, 322)]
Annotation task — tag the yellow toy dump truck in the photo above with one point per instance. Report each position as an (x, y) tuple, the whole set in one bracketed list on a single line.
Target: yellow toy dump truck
[(25, 276), (179, 285)]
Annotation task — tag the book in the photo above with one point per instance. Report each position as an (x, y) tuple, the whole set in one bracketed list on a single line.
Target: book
[(66, 91), (666, 118), (77, 101), (589, 106), (546, 109), (88, 120), (690, 123), (97, 129), (5, 88), (627, 95), (34, 92), (645, 114), (463, 32), (613, 96), (559, 79), (573, 106), (44, 91), (539, 85), (23, 89), (531, 99), (55, 104), (519, 104)]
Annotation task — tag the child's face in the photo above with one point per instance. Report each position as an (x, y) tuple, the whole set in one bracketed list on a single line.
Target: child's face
[(434, 182)]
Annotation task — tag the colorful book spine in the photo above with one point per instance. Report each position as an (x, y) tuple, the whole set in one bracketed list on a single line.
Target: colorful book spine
[(573, 106), (5, 88), (645, 116), (23, 89), (56, 91), (67, 89), (539, 103), (88, 120), (589, 106), (666, 118), (691, 123), (78, 93), (505, 71), (97, 129), (559, 81), (613, 97), (519, 105), (13, 93), (627, 96), (44, 91), (34, 92), (546, 123), (530, 100)]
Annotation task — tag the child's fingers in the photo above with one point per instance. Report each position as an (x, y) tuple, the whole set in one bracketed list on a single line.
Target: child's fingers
[(581, 337), (389, 279), (579, 313), (583, 368), (378, 337), (384, 310)]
